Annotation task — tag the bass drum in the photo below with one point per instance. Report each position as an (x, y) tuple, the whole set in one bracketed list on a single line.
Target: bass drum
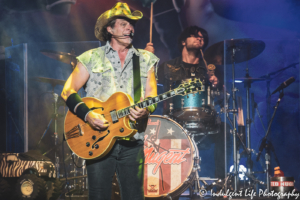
[(171, 158)]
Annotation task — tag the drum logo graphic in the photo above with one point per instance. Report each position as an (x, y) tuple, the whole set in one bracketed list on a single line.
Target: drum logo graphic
[(168, 156)]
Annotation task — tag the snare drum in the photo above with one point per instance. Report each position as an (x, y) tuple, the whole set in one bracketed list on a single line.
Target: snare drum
[(171, 159)]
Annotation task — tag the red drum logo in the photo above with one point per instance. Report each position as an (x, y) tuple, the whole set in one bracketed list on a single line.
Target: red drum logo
[(168, 157)]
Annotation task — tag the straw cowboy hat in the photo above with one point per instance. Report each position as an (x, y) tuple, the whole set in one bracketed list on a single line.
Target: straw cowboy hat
[(119, 10)]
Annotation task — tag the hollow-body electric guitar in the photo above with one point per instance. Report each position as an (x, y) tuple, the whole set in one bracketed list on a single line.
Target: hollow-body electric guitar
[(89, 143)]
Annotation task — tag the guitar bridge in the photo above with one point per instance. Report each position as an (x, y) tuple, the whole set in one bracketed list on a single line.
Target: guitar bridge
[(76, 131)]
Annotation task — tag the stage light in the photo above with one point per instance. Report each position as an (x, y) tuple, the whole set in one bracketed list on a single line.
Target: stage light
[(242, 171)]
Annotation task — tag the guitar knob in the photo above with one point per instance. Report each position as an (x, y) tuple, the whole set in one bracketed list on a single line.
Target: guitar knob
[(90, 153), (121, 130), (94, 137), (96, 146), (87, 144)]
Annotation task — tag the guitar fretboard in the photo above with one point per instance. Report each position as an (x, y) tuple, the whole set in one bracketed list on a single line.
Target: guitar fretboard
[(148, 102)]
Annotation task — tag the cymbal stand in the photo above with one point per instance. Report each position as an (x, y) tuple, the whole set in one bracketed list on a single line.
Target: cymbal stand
[(55, 96), (54, 116), (234, 132), (248, 123)]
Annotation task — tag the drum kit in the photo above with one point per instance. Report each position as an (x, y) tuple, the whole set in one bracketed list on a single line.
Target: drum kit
[(172, 159)]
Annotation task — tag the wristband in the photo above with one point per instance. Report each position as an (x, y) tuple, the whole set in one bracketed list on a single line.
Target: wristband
[(74, 101), (152, 107)]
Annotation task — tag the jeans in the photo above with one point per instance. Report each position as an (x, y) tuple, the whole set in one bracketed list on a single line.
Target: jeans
[(126, 159)]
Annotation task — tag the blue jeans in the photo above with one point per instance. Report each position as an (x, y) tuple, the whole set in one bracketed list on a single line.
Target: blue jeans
[(126, 158)]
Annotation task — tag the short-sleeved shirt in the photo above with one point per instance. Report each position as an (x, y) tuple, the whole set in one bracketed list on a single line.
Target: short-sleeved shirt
[(106, 74)]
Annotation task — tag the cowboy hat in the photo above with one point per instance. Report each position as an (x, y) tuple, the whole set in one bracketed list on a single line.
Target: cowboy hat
[(119, 10)]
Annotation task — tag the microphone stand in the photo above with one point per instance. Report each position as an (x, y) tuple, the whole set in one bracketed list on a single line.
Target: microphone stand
[(266, 146)]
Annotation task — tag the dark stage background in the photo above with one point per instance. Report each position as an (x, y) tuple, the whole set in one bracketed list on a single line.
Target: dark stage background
[(71, 26)]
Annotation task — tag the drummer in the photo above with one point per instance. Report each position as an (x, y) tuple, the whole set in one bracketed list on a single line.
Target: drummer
[(190, 64)]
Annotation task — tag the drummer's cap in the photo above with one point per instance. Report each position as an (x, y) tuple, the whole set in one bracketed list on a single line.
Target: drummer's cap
[(120, 10), (192, 30)]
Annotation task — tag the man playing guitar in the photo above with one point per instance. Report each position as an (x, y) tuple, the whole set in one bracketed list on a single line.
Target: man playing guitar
[(106, 70)]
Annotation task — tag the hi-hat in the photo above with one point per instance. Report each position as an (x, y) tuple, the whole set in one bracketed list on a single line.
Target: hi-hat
[(67, 58), (245, 49)]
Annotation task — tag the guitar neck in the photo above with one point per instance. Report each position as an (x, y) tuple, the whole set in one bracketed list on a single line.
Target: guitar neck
[(150, 101)]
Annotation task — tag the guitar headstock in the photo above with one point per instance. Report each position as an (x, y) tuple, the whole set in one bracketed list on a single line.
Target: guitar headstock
[(189, 87)]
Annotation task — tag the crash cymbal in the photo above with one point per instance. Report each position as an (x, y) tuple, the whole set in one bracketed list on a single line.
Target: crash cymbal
[(60, 56), (245, 49), (52, 81)]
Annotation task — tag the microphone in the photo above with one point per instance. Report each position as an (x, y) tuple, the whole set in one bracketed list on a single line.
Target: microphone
[(131, 34), (284, 84)]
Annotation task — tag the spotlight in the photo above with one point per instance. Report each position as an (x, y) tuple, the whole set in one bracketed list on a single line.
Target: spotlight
[(242, 171)]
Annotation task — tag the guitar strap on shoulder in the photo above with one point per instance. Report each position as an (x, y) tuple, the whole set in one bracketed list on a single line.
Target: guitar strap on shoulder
[(136, 78)]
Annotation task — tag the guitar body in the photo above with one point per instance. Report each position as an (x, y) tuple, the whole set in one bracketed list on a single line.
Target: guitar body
[(89, 143)]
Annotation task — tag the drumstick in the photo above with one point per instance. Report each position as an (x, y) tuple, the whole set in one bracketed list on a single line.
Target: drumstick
[(240, 120), (151, 17)]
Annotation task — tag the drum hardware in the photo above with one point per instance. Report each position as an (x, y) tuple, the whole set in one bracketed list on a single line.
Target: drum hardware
[(68, 58), (52, 81), (171, 109), (54, 117), (245, 49), (239, 51)]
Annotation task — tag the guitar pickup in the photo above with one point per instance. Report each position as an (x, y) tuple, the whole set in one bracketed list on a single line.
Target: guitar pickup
[(114, 116), (80, 130)]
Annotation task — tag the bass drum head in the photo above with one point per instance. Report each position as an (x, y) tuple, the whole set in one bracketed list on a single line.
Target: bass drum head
[(169, 159)]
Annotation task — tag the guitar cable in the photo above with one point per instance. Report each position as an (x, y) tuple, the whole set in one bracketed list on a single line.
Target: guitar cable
[(75, 162)]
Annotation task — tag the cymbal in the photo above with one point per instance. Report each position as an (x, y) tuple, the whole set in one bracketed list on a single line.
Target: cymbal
[(245, 49), (244, 79), (60, 56), (52, 81)]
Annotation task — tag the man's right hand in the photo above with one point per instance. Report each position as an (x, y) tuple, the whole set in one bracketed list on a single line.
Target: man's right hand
[(97, 121)]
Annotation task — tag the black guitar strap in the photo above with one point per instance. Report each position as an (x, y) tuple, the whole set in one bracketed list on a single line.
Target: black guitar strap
[(136, 78)]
